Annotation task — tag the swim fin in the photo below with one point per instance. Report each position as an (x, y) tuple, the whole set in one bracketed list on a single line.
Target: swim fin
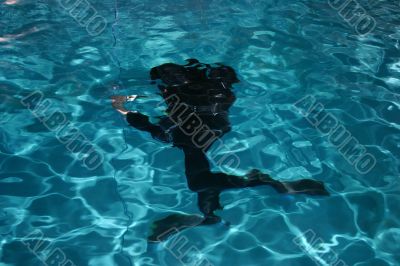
[(173, 224), (304, 186)]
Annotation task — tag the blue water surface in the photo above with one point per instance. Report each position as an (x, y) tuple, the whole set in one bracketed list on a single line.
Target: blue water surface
[(55, 203)]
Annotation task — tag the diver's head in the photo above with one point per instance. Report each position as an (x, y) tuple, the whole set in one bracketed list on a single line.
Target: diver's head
[(170, 74), (177, 75), (223, 73)]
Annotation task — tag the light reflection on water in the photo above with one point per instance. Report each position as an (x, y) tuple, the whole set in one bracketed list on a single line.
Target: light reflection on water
[(282, 51)]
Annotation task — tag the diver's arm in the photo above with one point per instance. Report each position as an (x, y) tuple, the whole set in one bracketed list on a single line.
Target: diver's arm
[(134, 118), (140, 121)]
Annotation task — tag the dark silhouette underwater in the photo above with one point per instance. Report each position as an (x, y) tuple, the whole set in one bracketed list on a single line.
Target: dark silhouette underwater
[(195, 94)]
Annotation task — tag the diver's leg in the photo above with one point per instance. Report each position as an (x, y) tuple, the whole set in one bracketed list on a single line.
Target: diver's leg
[(208, 202), (141, 122), (200, 178)]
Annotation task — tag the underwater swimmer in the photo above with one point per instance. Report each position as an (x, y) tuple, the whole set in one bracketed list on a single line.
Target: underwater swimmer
[(205, 93)]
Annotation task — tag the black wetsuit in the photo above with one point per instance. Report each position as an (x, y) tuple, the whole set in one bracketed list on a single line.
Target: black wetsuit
[(203, 92)]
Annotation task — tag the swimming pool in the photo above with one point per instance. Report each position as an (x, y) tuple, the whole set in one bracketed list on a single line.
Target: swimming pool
[(91, 200)]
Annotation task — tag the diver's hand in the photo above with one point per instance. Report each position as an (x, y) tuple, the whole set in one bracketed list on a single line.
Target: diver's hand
[(118, 99), (118, 102)]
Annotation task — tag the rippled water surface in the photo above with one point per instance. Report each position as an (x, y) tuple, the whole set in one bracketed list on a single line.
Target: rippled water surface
[(282, 51)]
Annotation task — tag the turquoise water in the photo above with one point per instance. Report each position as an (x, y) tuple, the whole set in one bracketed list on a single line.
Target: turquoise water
[(54, 202)]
